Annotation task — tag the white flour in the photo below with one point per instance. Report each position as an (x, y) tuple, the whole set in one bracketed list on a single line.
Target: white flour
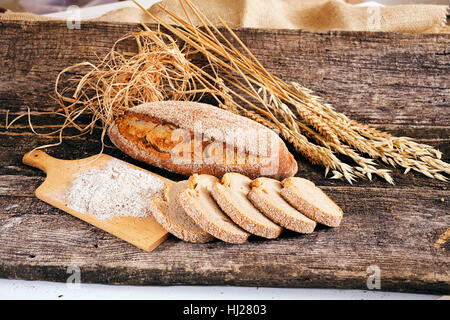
[(117, 190)]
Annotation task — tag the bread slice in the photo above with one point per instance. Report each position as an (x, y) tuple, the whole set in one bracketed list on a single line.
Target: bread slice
[(265, 195), (201, 207), (231, 196), (311, 201), (172, 217)]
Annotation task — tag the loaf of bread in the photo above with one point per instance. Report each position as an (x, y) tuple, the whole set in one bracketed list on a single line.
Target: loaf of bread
[(231, 195), (172, 217), (265, 195), (201, 207), (189, 137), (311, 201)]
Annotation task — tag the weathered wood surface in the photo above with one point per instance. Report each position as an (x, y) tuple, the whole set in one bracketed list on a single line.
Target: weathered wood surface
[(398, 82)]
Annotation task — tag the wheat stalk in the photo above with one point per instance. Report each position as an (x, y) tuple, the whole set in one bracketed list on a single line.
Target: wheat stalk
[(162, 70), (333, 131)]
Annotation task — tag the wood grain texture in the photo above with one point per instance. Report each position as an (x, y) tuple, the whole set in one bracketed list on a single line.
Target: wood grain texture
[(396, 82)]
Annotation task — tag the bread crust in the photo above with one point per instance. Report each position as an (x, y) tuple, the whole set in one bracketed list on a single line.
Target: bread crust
[(177, 230), (280, 159)]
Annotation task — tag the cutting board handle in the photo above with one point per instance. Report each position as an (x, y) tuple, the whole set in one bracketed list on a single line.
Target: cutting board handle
[(39, 159)]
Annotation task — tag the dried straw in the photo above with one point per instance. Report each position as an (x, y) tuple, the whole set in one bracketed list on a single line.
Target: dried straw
[(298, 115), (161, 70)]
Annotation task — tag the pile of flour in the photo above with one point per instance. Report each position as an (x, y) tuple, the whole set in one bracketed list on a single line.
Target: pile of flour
[(116, 190)]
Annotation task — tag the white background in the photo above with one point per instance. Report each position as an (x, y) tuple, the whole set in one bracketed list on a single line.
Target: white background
[(19, 289)]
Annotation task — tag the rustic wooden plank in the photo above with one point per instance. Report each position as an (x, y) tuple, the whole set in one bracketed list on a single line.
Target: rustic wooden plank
[(384, 223), (379, 229), (398, 82), (374, 77)]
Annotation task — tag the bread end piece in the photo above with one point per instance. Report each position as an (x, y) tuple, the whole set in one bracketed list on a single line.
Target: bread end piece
[(280, 162), (288, 165)]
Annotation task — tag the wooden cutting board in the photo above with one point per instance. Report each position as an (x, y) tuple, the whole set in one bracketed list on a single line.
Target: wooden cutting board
[(144, 233)]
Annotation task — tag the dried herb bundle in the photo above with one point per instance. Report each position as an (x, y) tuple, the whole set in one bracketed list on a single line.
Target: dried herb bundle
[(239, 82)]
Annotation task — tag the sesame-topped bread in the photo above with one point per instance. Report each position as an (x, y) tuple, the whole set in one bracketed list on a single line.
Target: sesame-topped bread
[(311, 201), (265, 195), (198, 203), (190, 137), (172, 217), (231, 195)]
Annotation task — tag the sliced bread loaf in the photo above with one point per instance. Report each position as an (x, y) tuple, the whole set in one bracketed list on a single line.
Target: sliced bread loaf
[(231, 195), (172, 217), (196, 200), (311, 201), (265, 195)]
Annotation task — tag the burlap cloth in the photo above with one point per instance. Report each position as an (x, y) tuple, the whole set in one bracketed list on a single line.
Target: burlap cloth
[(313, 15)]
